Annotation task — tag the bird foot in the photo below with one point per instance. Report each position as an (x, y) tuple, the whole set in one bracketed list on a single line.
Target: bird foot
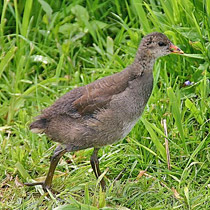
[(45, 187)]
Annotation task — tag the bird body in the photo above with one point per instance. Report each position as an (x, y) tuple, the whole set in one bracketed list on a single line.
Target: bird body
[(105, 110), (100, 113)]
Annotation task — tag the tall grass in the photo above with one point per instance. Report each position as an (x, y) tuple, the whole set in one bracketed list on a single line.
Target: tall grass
[(49, 47)]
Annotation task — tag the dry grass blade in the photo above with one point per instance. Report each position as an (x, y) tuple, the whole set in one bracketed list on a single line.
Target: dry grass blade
[(166, 144)]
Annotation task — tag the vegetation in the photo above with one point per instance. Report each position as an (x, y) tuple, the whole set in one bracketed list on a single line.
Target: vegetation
[(50, 47)]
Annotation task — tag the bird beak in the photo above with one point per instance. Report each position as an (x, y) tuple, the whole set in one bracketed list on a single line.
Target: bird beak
[(175, 50)]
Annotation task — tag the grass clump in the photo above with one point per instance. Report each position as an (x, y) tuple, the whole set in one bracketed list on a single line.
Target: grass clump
[(50, 47)]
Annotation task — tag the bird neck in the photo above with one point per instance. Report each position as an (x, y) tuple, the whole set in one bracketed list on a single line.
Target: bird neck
[(144, 61)]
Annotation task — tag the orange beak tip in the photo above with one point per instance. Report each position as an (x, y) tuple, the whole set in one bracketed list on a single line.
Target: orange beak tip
[(175, 50)]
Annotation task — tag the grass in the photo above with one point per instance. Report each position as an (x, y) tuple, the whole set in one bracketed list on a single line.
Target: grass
[(50, 47)]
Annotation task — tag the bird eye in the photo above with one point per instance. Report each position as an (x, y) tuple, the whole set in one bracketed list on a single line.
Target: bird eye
[(161, 44)]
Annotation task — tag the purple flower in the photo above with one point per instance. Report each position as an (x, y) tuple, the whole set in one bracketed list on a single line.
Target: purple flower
[(187, 83)]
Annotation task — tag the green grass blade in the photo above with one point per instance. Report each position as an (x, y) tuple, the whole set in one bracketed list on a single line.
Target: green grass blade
[(195, 152), (109, 45), (22, 171), (176, 114), (46, 7), (198, 56), (146, 148), (6, 59), (198, 148), (197, 25), (153, 18), (154, 138), (167, 7), (86, 195), (26, 17), (194, 111), (59, 67), (3, 21), (17, 22), (138, 6)]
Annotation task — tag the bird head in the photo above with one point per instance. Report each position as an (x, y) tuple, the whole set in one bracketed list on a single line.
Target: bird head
[(157, 44)]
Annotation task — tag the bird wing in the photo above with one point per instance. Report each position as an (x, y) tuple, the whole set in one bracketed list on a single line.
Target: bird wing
[(98, 94), (88, 99)]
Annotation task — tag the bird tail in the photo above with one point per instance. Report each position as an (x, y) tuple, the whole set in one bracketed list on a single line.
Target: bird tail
[(39, 125)]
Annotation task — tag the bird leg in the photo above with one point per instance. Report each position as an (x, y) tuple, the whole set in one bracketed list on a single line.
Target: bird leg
[(59, 152), (95, 166)]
